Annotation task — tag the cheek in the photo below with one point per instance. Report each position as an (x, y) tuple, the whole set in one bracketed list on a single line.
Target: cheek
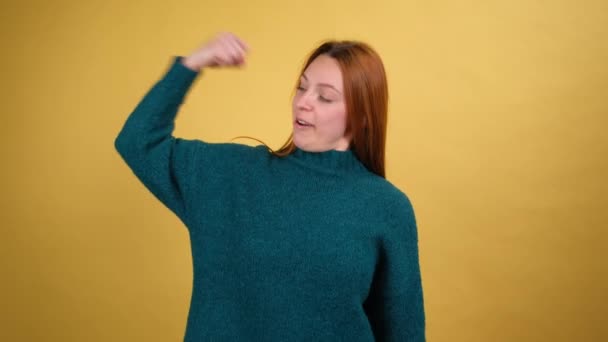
[(335, 120)]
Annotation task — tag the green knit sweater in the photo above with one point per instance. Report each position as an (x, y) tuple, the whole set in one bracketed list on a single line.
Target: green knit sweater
[(308, 247)]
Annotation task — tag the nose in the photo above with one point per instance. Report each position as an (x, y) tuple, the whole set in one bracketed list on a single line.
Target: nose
[(303, 101)]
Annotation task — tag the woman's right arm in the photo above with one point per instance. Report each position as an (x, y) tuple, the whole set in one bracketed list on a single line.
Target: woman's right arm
[(162, 162)]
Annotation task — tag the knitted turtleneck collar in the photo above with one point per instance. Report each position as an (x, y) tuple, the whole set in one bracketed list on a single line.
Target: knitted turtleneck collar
[(332, 161)]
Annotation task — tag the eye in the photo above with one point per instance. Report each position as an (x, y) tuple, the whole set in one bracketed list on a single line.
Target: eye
[(323, 99)]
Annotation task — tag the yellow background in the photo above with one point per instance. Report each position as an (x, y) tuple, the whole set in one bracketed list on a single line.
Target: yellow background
[(497, 132)]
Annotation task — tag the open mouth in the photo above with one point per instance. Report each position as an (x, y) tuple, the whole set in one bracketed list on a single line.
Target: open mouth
[(302, 123)]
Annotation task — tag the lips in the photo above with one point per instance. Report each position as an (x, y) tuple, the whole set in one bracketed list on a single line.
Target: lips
[(302, 123)]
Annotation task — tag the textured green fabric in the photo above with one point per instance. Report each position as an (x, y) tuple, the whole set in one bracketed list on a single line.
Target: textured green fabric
[(308, 247)]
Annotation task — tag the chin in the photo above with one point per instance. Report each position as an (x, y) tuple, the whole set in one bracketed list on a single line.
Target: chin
[(298, 144), (301, 144)]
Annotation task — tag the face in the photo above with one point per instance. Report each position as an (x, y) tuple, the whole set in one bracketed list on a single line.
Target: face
[(319, 102)]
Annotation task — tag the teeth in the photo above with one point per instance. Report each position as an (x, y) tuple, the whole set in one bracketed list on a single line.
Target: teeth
[(302, 122)]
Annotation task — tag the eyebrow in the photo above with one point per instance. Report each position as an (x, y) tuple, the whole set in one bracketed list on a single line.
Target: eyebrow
[(324, 84)]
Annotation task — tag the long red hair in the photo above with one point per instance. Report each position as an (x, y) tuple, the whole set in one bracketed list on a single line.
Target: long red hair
[(366, 98)]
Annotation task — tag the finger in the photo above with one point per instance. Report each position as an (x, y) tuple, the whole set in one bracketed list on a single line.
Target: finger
[(224, 58), (239, 41), (222, 51), (243, 45), (236, 53)]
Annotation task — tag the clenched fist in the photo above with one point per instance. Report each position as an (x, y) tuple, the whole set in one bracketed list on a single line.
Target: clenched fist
[(224, 50)]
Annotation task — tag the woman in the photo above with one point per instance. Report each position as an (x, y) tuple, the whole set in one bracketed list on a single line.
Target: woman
[(307, 243)]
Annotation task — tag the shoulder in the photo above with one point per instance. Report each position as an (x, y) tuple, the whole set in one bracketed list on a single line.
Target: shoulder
[(229, 152), (224, 159), (393, 203), (386, 193), (226, 146)]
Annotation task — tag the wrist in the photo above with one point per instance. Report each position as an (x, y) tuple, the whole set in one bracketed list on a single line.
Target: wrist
[(187, 62)]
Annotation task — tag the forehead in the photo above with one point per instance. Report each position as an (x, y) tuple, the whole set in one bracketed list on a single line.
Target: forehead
[(324, 69)]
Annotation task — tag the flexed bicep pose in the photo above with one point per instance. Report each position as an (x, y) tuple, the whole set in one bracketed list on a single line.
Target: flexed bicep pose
[(306, 243)]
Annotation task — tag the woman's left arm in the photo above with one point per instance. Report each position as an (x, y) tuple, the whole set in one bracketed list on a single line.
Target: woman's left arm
[(395, 305)]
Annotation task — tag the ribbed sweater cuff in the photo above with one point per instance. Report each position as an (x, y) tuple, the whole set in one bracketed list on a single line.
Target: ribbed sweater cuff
[(180, 75)]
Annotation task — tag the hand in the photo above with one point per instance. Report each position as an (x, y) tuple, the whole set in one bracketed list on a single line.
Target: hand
[(224, 50)]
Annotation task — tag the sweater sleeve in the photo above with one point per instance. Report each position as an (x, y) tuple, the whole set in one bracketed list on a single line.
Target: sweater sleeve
[(162, 162), (395, 305)]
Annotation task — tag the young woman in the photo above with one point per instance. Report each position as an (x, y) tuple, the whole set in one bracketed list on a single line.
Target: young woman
[(307, 243)]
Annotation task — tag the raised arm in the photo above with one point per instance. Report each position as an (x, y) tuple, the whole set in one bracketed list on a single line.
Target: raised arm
[(163, 163)]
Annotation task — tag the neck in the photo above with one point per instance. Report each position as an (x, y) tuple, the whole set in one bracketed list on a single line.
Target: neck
[(330, 161)]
